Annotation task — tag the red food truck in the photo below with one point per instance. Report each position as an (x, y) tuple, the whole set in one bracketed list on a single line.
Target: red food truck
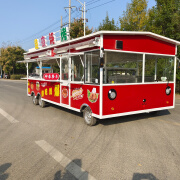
[(105, 74)]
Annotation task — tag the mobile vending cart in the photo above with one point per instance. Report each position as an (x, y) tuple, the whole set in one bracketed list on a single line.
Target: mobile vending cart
[(105, 74)]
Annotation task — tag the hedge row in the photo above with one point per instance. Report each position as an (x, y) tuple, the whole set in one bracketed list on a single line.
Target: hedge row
[(17, 76)]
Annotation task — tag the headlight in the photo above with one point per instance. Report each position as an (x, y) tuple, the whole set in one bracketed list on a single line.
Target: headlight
[(168, 90), (112, 94)]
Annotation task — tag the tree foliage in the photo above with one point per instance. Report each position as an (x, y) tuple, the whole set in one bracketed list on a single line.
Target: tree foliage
[(77, 29), (108, 24), (9, 56), (135, 17), (164, 19)]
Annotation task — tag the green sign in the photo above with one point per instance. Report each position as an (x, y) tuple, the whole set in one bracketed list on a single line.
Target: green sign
[(64, 34)]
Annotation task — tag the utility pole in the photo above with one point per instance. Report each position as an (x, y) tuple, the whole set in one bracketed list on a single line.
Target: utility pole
[(70, 7), (84, 18), (61, 22), (83, 11), (69, 15)]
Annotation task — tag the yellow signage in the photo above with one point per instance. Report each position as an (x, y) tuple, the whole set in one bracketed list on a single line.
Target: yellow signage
[(56, 90), (50, 91), (46, 92), (42, 93), (36, 43)]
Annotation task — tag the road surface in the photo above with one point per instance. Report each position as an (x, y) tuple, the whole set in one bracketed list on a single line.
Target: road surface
[(54, 143)]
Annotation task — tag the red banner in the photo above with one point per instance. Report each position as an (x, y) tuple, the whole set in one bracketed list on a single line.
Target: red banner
[(51, 76)]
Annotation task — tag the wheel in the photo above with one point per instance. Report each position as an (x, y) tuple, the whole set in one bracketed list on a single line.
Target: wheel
[(88, 118), (41, 102), (35, 100)]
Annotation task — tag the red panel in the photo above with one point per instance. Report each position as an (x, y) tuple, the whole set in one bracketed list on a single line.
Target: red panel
[(130, 98), (85, 94), (48, 90), (139, 43), (65, 94)]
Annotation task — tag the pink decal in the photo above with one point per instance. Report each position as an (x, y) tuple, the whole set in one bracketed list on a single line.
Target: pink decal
[(43, 41)]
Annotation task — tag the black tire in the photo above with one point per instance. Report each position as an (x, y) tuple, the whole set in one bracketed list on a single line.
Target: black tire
[(41, 102), (88, 118), (35, 100)]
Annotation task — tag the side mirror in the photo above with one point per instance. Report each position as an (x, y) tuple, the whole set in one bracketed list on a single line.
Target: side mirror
[(101, 62)]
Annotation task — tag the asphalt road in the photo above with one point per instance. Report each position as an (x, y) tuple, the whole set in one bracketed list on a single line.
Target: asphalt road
[(53, 143)]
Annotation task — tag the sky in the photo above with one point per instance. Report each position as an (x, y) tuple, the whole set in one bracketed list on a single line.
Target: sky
[(22, 21)]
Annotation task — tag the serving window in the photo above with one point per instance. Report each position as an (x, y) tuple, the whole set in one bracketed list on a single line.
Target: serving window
[(159, 68), (77, 70), (65, 68), (92, 67), (122, 67)]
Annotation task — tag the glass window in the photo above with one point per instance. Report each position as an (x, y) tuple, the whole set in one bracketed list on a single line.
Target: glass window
[(77, 68), (122, 68), (64, 69), (159, 68), (92, 67)]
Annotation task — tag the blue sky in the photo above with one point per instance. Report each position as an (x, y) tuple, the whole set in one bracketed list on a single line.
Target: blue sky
[(22, 21)]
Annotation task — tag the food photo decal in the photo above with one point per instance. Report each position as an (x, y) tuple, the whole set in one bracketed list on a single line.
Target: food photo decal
[(64, 92), (92, 96), (77, 94)]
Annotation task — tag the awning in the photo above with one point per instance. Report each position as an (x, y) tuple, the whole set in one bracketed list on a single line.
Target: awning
[(50, 58)]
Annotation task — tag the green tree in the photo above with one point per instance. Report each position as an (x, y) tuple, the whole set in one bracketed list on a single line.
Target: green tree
[(77, 29), (164, 19), (108, 24), (9, 56), (135, 17)]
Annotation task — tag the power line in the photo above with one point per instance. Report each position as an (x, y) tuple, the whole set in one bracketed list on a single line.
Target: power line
[(100, 5), (56, 22), (32, 36), (77, 14), (89, 3), (42, 30)]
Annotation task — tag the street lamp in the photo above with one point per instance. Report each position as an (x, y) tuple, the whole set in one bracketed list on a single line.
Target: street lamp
[(84, 7)]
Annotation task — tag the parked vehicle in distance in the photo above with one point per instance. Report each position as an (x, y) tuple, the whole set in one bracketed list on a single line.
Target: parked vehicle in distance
[(6, 76)]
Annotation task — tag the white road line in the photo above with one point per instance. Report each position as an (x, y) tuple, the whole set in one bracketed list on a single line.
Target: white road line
[(69, 165), (8, 117)]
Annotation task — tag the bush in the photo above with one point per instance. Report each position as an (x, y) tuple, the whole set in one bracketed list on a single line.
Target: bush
[(17, 76)]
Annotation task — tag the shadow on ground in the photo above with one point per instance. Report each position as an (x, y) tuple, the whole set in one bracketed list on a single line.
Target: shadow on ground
[(65, 110), (148, 176), (134, 117), (3, 169), (116, 120), (72, 171)]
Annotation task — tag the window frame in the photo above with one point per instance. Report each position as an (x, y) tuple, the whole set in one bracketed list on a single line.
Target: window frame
[(85, 67), (143, 67)]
